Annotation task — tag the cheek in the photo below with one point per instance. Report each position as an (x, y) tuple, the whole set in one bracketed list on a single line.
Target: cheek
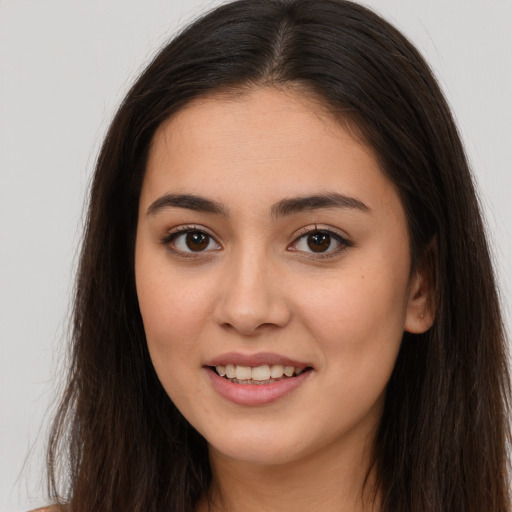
[(358, 328), (173, 313), (358, 319), (170, 314), (172, 323)]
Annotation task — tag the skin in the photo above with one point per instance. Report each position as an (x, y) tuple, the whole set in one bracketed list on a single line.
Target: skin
[(259, 287)]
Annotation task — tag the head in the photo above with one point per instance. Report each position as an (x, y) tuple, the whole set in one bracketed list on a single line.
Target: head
[(367, 86), (267, 237)]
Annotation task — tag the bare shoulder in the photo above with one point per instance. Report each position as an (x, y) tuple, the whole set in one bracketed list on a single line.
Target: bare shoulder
[(50, 508)]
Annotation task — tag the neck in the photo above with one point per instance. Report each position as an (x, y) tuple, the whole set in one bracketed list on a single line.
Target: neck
[(337, 478)]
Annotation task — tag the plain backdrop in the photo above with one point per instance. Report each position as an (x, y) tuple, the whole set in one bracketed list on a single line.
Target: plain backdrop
[(64, 67)]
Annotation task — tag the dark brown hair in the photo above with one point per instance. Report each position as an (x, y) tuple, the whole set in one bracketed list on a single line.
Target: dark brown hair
[(118, 441)]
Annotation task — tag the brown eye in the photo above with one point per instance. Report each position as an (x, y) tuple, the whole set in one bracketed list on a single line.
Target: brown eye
[(319, 242), (197, 241), (191, 241)]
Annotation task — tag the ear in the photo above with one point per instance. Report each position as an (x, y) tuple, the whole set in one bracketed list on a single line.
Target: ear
[(421, 305)]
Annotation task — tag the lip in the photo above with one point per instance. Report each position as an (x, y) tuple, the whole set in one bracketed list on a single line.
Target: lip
[(258, 359), (255, 394)]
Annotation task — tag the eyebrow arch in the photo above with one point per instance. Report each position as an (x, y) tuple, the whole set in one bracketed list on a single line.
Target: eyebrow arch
[(280, 209), (188, 201), (327, 200)]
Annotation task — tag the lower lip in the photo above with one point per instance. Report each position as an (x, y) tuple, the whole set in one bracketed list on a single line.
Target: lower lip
[(255, 394)]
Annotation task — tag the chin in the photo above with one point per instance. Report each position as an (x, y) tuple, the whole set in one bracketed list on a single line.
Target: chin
[(258, 449)]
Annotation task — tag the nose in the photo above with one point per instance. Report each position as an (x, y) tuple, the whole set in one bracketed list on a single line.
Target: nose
[(252, 296)]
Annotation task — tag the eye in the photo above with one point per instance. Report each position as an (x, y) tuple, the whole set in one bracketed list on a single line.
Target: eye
[(321, 242), (190, 240)]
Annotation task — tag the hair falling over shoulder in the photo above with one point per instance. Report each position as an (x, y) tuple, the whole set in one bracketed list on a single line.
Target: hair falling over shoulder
[(118, 443)]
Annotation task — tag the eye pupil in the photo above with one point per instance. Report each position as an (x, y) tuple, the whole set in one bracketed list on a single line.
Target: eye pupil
[(319, 242), (196, 241)]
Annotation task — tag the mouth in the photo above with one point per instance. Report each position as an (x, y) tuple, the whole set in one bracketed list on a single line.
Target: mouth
[(258, 375), (256, 379)]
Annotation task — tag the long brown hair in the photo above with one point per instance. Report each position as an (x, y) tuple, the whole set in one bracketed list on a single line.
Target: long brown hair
[(119, 443)]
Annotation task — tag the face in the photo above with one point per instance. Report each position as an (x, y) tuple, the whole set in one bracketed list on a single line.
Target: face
[(273, 275)]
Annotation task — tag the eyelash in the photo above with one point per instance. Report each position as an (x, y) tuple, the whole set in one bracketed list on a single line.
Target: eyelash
[(171, 237), (344, 244)]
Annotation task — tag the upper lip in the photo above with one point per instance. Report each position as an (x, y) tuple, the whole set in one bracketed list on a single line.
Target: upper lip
[(257, 359)]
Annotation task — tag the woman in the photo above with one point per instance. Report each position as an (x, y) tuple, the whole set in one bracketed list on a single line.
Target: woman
[(285, 298)]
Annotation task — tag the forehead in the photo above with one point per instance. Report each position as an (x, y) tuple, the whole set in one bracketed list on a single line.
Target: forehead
[(259, 147)]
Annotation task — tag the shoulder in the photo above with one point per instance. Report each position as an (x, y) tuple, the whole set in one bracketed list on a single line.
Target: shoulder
[(50, 508)]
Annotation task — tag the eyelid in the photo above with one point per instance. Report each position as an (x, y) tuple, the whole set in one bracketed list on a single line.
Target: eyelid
[(322, 228), (341, 237), (176, 231), (336, 233)]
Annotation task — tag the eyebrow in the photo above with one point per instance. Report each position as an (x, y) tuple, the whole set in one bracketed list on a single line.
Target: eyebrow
[(189, 202), (282, 208), (315, 202)]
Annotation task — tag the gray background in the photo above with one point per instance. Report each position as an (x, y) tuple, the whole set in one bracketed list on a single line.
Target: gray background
[(64, 67)]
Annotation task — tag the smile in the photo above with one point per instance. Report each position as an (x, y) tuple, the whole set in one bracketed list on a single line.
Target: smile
[(264, 374), (256, 381)]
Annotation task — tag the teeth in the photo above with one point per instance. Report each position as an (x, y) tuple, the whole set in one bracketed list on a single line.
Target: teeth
[(288, 370), (230, 371), (243, 373), (257, 373), (260, 372), (276, 371)]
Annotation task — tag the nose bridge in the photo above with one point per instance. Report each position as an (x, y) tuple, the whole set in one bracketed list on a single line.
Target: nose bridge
[(251, 294)]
